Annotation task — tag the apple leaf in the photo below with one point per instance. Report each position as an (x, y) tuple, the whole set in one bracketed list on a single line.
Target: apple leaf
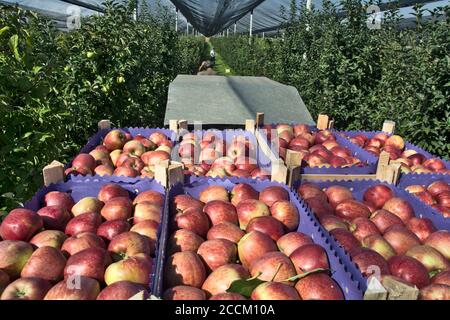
[(303, 275), (245, 287)]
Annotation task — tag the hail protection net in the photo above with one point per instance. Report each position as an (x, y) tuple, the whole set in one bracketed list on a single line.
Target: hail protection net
[(210, 17)]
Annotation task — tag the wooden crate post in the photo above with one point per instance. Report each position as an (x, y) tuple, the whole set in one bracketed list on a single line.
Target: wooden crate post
[(389, 126), (53, 173), (250, 125), (323, 122), (279, 171), (175, 173), (259, 119), (399, 290), (173, 125), (183, 125), (375, 290), (104, 124), (161, 173)]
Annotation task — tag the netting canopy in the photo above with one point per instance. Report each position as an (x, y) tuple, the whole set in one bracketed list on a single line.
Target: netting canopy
[(210, 17)]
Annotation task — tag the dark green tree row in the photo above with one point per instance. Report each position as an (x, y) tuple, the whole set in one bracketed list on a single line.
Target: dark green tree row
[(360, 75), (55, 86)]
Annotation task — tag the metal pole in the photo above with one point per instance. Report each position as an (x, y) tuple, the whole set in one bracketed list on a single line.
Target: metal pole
[(309, 5), (176, 20), (228, 32), (251, 24), (187, 28), (235, 27), (264, 35)]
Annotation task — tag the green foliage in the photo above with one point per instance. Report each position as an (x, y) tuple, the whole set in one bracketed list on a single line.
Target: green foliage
[(55, 86), (360, 76)]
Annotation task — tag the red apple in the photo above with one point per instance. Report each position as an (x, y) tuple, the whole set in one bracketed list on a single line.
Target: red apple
[(362, 227), (46, 263), (89, 263), (432, 259), (441, 278), (134, 148), (58, 198), (435, 292), (437, 187), (331, 222), (49, 238), (273, 266), (260, 173), (149, 229), (426, 197), (249, 209), (443, 199), (351, 209), (378, 244), (151, 196), (185, 268), (395, 141), (184, 293), (118, 208), (183, 240), (378, 195), (157, 138), (216, 253), (292, 241), (337, 194), (54, 217), (369, 262), (434, 164), (136, 269), (220, 280), (84, 160), (26, 289), (287, 213), (20, 224), (345, 238), (193, 220), (86, 222), (13, 256), (421, 227), (104, 170), (272, 194), (308, 258), (221, 211), (227, 296), (400, 207), (309, 190), (126, 172), (81, 242), (254, 245), (409, 269), (114, 140), (128, 244), (319, 207), (440, 240), (109, 229), (225, 230), (274, 291), (384, 219), (121, 290), (319, 286), (147, 211), (323, 136), (401, 239), (213, 193), (268, 225), (152, 158), (241, 192)]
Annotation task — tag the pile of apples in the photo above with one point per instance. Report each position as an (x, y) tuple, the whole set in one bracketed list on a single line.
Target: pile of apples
[(212, 156), (80, 251), (319, 149), (437, 195), (225, 237), (122, 155), (383, 233), (411, 161)]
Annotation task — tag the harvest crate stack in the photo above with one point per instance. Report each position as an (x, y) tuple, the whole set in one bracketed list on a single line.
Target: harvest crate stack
[(297, 212)]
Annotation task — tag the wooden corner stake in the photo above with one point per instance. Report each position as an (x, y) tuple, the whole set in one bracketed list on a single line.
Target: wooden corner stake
[(389, 126), (173, 125), (323, 122), (250, 125), (175, 174), (293, 158), (259, 119), (53, 173)]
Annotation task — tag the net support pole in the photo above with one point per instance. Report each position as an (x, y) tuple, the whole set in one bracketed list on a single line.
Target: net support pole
[(251, 24), (235, 27), (187, 28), (176, 20), (228, 32)]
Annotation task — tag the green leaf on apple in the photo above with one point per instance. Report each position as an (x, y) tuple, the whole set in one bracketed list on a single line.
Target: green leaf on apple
[(304, 275), (245, 287)]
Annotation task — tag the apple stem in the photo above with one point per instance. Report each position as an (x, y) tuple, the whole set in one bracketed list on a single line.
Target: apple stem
[(278, 270)]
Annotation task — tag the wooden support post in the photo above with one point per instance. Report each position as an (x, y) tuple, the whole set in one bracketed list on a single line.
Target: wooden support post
[(293, 158), (183, 125), (104, 124), (53, 173), (331, 124), (323, 122), (161, 173), (250, 125), (293, 174), (173, 125), (389, 127), (259, 119), (175, 173), (279, 171), (399, 290)]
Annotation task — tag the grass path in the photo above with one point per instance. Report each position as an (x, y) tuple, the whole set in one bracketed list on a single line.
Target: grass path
[(221, 65)]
